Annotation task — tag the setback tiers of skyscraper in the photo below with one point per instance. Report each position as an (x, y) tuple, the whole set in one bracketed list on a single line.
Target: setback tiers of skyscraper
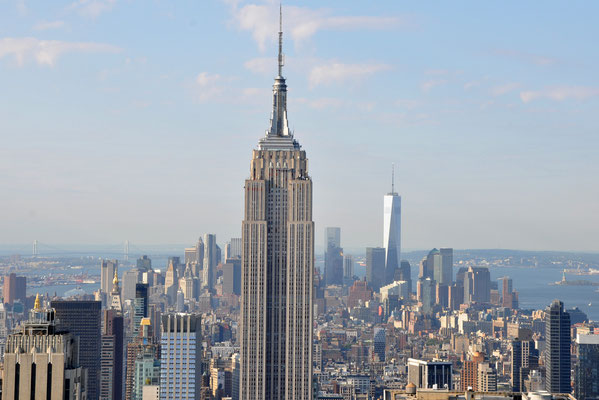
[(277, 264)]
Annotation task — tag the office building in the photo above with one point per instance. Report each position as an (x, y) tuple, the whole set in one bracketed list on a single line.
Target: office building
[(444, 275), (189, 285), (404, 274), (426, 294), (509, 297), (348, 269), (40, 362), (525, 358), (430, 374), (15, 288), (277, 264), (586, 383), (140, 306), (333, 257), (379, 341), (233, 249), (83, 319), (171, 282), (375, 267), (180, 357), (557, 348), (107, 268), (397, 288), (477, 285), (210, 262), (391, 231), (111, 356), (194, 257), (232, 276)]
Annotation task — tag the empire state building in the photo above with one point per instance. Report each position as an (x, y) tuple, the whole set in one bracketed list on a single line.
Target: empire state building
[(277, 264)]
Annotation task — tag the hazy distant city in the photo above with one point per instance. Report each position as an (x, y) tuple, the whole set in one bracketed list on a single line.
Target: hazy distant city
[(324, 214)]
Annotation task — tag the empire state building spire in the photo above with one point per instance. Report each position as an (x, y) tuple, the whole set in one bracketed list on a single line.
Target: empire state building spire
[(279, 135)]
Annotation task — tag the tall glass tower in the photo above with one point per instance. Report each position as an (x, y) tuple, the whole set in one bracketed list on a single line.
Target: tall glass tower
[(277, 264), (392, 231)]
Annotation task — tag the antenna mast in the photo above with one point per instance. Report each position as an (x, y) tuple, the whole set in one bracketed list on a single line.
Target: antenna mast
[(281, 61), (392, 178)]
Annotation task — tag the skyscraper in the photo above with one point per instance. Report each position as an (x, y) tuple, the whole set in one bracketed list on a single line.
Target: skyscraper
[(209, 269), (586, 385), (180, 357), (140, 306), (277, 264), (477, 285), (525, 358), (557, 348), (42, 363), (445, 275), (375, 267), (333, 257), (392, 231), (404, 274), (379, 341), (15, 288), (83, 319), (111, 355), (107, 268), (348, 269)]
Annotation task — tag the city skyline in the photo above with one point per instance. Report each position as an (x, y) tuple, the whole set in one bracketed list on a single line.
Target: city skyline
[(482, 132)]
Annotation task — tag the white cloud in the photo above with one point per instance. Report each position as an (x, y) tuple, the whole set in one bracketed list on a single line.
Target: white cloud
[(206, 79), (337, 72), (301, 22), (92, 8), (46, 52), (560, 93), (527, 57), (428, 85), (45, 25), (503, 89), (261, 65)]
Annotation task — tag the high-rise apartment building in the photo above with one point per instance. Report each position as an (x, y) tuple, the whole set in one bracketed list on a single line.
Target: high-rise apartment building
[(180, 357), (509, 297), (557, 348), (107, 268), (391, 232), (277, 264), (83, 319), (487, 378), (333, 257), (209, 264), (15, 288), (41, 362), (375, 267), (586, 384), (144, 342)]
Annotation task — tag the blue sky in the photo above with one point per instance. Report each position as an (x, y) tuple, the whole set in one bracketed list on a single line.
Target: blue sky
[(136, 119)]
